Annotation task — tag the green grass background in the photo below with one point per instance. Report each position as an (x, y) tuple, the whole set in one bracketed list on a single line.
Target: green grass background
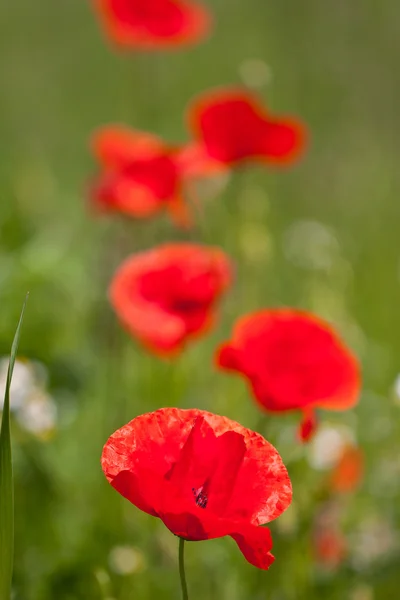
[(335, 64)]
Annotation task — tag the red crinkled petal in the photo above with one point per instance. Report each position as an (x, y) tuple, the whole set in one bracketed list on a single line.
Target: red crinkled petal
[(255, 544), (293, 360), (158, 460), (152, 24), (188, 525), (228, 464), (196, 460), (209, 465), (151, 441), (260, 492), (142, 488)]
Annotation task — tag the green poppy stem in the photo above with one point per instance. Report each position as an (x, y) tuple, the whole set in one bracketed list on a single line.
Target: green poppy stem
[(182, 569)]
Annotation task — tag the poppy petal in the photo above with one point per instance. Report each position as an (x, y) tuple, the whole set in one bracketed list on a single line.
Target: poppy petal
[(141, 489), (142, 175), (255, 544), (308, 425), (180, 212), (144, 437), (227, 357), (196, 458), (205, 461), (283, 141), (195, 161), (262, 490), (293, 360), (115, 146), (228, 123), (167, 295), (152, 24), (233, 127), (183, 466), (231, 452), (186, 525), (120, 193), (161, 332)]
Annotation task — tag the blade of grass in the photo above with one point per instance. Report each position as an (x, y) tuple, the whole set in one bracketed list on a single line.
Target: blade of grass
[(6, 479)]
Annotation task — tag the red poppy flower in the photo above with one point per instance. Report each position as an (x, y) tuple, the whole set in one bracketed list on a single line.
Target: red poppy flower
[(293, 361), (153, 24), (348, 473), (232, 126), (141, 176), (203, 475), (166, 295)]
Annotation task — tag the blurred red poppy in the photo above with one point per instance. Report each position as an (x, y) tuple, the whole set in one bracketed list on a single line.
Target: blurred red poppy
[(232, 126), (293, 361), (203, 475), (330, 548), (348, 473), (142, 175), (166, 296), (153, 24)]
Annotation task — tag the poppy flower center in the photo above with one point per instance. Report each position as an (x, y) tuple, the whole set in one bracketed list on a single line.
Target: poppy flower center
[(200, 497)]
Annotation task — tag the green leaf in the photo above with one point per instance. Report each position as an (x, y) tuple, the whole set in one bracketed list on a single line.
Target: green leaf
[(6, 480)]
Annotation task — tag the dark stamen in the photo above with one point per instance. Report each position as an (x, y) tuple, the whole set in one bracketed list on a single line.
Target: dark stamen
[(200, 498)]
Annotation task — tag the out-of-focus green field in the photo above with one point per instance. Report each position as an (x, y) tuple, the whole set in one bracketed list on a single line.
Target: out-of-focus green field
[(323, 235)]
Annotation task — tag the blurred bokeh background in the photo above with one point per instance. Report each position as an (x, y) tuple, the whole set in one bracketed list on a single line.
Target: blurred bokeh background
[(323, 235)]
